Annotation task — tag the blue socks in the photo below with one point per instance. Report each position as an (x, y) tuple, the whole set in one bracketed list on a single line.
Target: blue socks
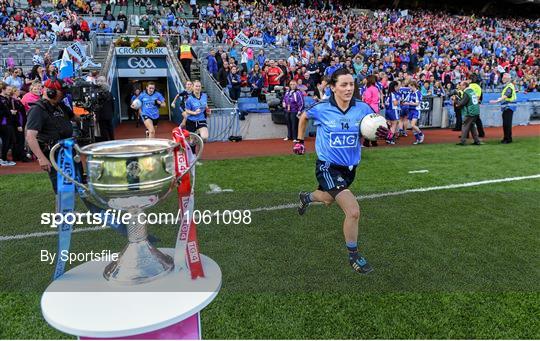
[(352, 247), (309, 198)]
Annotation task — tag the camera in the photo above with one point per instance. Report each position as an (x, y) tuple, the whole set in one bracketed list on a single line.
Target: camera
[(88, 95), (84, 131)]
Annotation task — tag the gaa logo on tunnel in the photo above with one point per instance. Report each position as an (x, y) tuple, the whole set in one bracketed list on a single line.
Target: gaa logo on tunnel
[(141, 63)]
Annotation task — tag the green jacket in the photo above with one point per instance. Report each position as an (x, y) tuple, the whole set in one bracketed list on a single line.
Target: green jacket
[(469, 103)]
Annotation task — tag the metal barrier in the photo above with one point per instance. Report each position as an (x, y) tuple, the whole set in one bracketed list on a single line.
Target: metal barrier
[(223, 123)]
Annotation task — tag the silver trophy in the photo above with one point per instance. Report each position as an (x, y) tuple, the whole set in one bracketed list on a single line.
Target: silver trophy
[(131, 175)]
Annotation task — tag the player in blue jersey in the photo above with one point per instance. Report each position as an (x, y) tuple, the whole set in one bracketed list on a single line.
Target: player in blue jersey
[(338, 154), (151, 102), (404, 92), (392, 110), (413, 102), (196, 111)]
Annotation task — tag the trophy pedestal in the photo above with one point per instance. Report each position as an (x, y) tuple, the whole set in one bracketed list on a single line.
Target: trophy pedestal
[(84, 304)]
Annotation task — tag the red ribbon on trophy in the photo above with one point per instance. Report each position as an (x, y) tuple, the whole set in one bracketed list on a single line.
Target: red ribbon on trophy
[(186, 242)]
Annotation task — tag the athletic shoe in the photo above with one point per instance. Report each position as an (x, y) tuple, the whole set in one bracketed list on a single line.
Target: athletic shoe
[(304, 204), (285, 139), (460, 144), (404, 134), (417, 142), (360, 265), (7, 163), (478, 143), (422, 138)]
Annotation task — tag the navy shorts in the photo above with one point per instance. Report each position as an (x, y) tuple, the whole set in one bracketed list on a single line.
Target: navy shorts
[(155, 121), (333, 178), (193, 126), (392, 115), (404, 112), (413, 114)]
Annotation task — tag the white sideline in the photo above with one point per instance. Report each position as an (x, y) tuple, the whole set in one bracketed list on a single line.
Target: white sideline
[(293, 205)]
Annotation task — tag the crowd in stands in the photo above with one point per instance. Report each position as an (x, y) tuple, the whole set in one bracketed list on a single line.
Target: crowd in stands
[(64, 22), (437, 50), (19, 91)]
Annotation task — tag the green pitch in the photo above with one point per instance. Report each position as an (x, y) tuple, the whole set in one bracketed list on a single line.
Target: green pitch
[(449, 262)]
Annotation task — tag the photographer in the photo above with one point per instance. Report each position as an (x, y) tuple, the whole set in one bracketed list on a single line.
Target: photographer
[(104, 113), (49, 121)]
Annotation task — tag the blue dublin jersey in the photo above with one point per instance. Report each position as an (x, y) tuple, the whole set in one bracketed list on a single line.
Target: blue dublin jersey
[(149, 107), (338, 132), (193, 103)]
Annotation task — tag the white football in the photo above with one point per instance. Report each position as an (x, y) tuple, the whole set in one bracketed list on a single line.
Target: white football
[(136, 104), (370, 124)]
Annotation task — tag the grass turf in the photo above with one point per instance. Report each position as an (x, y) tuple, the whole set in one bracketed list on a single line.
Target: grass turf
[(458, 263)]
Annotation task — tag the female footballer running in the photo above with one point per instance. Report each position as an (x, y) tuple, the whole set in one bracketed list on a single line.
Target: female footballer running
[(338, 151), (196, 110)]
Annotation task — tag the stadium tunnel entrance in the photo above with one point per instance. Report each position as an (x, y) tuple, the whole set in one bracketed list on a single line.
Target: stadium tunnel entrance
[(127, 87), (134, 68)]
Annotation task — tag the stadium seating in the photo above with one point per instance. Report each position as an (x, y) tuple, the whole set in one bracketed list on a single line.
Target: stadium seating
[(251, 105)]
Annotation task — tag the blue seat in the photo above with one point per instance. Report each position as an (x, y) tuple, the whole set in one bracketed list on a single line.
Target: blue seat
[(252, 105)]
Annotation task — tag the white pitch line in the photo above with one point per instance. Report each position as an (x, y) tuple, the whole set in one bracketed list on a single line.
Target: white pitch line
[(419, 171), (293, 205), (50, 233), (414, 190)]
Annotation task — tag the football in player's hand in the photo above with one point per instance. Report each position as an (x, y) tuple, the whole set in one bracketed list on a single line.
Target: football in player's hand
[(370, 124)]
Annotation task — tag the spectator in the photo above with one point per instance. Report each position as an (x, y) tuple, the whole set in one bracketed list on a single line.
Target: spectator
[(274, 75), (104, 114), (233, 80), (371, 95), (212, 65), (7, 124), (256, 81), (19, 122), (222, 76), (37, 58), (33, 95), (293, 104), (15, 79)]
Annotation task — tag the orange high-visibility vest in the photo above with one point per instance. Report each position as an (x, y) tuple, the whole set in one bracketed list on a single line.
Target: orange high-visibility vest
[(185, 52)]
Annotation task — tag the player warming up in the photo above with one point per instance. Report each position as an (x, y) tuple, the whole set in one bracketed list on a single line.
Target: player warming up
[(338, 121)]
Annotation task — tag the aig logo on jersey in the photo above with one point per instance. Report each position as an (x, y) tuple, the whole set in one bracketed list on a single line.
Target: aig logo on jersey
[(343, 140)]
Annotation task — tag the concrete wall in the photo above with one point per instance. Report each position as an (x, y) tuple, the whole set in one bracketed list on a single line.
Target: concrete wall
[(260, 126)]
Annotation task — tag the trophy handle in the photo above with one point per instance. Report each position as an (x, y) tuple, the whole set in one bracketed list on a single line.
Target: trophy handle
[(200, 144), (55, 165)]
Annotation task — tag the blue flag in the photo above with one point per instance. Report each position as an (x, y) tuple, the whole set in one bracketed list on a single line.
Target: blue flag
[(65, 70)]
